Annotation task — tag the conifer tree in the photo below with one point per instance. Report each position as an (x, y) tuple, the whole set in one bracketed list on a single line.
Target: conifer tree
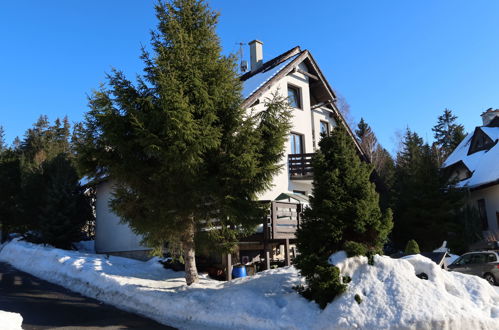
[(65, 208), (344, 214), (10, 183), (426, 208), (412, 247), (367, 139), (447, 133), (2, 140), (181, 151)]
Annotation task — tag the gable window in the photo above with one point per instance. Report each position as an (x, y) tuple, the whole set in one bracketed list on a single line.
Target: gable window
[(482, 211), (294, 97), (480, 141), (296, 143), (324, 128)]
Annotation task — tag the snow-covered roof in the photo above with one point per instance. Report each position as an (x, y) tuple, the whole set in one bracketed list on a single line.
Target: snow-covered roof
[(252, 84), (483, 165)]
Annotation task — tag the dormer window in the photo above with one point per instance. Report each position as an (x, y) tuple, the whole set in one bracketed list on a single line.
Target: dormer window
[(294, 96), (480, 141)]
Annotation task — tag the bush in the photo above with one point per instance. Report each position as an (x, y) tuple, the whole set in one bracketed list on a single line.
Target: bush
[(323, 285), (354, 249), (412, 247)]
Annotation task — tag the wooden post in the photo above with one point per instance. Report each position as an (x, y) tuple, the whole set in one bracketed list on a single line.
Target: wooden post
[(274, 220), (267, 257), (286, 252), (228, 274)]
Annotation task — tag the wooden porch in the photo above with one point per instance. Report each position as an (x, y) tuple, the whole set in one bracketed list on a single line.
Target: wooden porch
[(278, 229)]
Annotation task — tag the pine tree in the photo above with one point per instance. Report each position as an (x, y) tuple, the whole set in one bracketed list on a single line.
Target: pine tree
[(380, 158), (447, 133), (426, 208), (412, 247), (344, 213), (65, 208), (10, 183), (367, 139), (2, 140), (178, 145)]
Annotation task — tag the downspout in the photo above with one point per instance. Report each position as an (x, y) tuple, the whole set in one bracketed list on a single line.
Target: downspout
[(313, 128)]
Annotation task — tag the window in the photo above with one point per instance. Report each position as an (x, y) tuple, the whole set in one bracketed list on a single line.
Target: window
[(300, 192), (296, 143), (464, 260), (497, 219), (482, 211), (479, 258), (294, 98), (324, 128), (491, 257)]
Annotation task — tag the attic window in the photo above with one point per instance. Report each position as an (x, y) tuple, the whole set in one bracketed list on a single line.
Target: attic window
[(294, 97), (479, 142)]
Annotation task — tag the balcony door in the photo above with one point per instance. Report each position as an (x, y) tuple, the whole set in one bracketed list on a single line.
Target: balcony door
[(296, 143)]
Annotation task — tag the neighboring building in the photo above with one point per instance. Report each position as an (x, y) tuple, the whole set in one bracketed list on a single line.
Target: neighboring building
[(475, 165), (294, 74)]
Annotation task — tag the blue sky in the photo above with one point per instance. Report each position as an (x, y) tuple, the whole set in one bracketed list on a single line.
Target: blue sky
[(397, 63)]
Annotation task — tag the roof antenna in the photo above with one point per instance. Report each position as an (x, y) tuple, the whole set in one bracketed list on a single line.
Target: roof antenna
[(243, 64)]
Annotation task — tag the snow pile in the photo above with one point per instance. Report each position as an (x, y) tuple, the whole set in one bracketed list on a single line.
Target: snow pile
[(85, 246), (336, 258), (10, 321), (392, 296)]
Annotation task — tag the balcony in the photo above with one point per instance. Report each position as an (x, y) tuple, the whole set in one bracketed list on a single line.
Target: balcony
[(300, 166)]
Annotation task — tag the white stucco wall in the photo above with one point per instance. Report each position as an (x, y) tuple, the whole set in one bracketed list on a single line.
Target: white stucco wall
[(305, 122), (110, 234), (491, 197)]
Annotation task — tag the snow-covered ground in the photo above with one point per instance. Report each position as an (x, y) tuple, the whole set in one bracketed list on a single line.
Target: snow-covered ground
[(392, 296), (10, 321)]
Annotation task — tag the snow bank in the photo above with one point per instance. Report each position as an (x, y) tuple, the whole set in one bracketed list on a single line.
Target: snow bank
[(85, 246), (392, 296), (10, 321)]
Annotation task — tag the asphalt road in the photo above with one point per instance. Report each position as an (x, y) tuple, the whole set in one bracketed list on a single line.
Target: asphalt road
[(48, 306)]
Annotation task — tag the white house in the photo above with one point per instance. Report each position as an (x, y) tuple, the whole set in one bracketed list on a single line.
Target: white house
[(475, 164), (294, 74)]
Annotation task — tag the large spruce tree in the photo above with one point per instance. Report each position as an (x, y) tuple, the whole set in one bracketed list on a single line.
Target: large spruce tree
[(427, 207), (448, 134), (65, 207), (10, 191), (181, 151), (344, 214)]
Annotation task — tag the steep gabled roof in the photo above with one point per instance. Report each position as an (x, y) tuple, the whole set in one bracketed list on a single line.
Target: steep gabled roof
[(256, 82), (482, 163)]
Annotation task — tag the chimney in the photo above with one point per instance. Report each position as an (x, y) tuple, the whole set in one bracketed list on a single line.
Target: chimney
[(489, 115), (256, 54)]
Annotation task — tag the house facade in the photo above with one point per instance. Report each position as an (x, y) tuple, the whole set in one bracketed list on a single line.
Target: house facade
[(293, 74), (475, 165)]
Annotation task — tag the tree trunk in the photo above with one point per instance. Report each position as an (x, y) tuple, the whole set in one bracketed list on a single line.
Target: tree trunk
[(191, 272)]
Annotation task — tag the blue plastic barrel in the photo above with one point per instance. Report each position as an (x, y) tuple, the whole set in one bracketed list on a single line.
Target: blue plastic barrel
[(239, 271)]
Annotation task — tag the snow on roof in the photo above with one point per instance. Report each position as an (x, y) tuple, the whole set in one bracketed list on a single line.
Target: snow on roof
[(492, 132), (484, 165), (252, 84), (460, 152)]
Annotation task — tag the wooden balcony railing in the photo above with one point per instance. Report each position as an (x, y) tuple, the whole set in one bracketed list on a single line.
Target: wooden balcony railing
[(283, 220), (300, 166)]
